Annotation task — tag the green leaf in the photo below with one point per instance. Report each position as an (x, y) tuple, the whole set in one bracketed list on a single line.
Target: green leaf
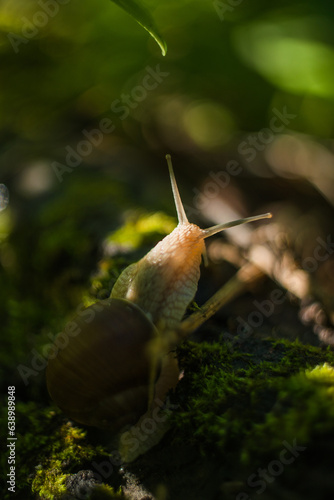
[(144, 18)]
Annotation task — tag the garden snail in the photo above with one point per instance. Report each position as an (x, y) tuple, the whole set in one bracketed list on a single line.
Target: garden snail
[(107, 374)]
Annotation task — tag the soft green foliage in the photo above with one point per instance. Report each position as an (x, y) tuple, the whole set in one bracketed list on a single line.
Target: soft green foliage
[(262, 55), (270, 44), (144, 18)]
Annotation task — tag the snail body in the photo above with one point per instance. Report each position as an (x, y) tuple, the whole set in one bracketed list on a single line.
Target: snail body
[(109, 375), (164, 282)]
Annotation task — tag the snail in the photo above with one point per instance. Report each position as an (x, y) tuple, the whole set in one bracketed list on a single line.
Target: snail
[(117, 366)]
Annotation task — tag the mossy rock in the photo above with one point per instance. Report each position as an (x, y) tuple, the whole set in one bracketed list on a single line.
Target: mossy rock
[(49, 449), (246, 404), (258, 406)]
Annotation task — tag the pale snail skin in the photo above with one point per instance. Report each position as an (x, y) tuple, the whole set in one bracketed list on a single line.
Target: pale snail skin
[(162, 284), (164, 281)]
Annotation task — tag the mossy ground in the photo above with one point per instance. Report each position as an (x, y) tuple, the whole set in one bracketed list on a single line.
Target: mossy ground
[(231, 397), (243, 404), (48, 450), (236, 405)]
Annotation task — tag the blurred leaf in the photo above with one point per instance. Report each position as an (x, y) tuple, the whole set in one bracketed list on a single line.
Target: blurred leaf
[(296, 65), (144, 18)]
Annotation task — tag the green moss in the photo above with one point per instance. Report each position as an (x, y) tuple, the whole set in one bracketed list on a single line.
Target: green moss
[(48, 449), (49, 483), (105, 492), (33, 428), (303, 411), (67, 450), (249, 399), (140, 230)]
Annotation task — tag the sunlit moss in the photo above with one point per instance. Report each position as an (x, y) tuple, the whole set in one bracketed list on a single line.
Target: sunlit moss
[(48, 449), (251, 398), (139, 229), (67, 448), (49, 484), (302, 411), (105, 492), (323, 374)]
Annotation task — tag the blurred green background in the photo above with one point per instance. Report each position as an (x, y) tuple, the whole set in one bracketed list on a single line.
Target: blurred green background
[(231, 67)]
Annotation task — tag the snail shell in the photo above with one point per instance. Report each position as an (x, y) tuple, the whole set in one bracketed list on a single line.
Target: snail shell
[(101, 377)]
